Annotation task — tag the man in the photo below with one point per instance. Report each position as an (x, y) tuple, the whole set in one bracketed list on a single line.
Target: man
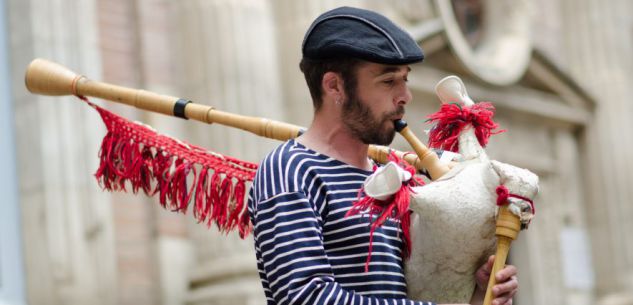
[(356, 65)]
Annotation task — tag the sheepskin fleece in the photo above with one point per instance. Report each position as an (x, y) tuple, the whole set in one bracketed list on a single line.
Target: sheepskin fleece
[(452, 232)]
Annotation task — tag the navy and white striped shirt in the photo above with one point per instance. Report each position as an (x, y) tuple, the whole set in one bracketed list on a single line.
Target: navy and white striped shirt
[(307, 251)]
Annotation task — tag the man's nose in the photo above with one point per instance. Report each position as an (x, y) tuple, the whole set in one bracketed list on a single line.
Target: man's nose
[(404, 96)]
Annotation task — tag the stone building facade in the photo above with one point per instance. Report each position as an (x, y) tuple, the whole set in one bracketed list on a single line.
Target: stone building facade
[(558, 72)]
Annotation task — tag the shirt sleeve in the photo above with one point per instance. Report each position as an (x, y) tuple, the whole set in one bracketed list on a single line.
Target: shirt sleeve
[(289, 241)]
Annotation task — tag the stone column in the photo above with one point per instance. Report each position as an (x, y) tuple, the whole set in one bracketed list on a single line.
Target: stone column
[(227, 59), (599, 47), (574, 251), (66, 218)]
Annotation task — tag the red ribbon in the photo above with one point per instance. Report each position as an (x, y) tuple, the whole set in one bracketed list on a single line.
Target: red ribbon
[(503, 194)]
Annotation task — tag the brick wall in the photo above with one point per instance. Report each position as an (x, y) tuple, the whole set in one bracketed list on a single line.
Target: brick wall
[(134, 227), (136, 43)]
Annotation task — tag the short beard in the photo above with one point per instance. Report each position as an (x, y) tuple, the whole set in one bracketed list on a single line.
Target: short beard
[(360, 120)]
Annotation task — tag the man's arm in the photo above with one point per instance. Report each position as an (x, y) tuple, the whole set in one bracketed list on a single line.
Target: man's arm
[(289, 238)]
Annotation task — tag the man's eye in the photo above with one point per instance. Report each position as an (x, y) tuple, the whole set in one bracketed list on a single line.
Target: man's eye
[(388, 81)]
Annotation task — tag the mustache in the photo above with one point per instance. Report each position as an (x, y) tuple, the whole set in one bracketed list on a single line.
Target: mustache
[(398, 112)]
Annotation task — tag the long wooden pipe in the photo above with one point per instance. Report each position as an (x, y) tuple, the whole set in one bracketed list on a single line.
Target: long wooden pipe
[(49, 78)]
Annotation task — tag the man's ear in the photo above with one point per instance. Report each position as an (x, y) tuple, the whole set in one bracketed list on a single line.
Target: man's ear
[(332, 85)]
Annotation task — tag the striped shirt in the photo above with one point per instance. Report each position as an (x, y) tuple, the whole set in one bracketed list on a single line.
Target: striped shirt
[(307, 251)]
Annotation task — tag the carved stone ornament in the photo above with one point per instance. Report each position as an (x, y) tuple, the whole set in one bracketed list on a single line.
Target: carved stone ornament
[(501, 48)]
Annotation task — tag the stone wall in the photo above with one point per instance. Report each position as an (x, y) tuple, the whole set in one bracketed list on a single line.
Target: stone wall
[(66, 219)]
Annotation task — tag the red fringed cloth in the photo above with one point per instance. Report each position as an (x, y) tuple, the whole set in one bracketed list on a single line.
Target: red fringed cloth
[(157, 164), (395, 207), (453, 118)]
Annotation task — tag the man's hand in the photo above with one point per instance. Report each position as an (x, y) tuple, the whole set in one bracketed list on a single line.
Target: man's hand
[(507, 282)]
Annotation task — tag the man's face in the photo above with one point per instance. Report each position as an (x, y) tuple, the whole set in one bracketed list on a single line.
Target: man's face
[(379, 99)]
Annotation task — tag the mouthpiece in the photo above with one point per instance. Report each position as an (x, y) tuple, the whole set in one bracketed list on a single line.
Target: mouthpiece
[(400, 124)]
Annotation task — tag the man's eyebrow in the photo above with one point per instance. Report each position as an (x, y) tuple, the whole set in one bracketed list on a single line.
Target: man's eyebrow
[(392, 69)]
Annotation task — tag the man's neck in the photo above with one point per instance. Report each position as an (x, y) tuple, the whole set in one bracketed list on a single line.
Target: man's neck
[(331, 137)]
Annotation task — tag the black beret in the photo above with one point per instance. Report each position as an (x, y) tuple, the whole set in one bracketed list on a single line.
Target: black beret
[(359, 33)]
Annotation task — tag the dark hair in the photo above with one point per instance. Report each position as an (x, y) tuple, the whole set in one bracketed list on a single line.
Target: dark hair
[(313, 71)]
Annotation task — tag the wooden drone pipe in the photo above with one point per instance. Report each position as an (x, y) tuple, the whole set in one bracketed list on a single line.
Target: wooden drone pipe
[(49, 78), (507, 229)]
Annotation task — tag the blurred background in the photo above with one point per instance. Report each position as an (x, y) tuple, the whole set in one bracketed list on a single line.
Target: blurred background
[(559, 72)]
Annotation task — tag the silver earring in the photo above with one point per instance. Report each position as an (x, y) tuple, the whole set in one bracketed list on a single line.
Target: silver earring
[(338, 102)]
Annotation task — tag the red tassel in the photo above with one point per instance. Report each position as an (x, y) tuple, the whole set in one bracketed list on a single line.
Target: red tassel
[(142, 173), (371, 246), (221, 203), (162, 172), (238, 197), (200, 211), (451, 120), (223, 207), (136, 155), (396, 207), (213, 197), (181, 194), (401, 203), (362, 204), (245, 226), (104, 174)]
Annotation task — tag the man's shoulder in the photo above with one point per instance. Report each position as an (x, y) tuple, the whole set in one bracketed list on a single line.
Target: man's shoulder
[(290, 155), (284, 168)]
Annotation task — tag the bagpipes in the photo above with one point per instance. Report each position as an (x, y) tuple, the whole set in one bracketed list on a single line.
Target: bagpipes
[(180, 173)]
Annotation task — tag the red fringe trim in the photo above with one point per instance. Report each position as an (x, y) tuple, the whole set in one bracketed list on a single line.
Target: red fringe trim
[(451, 120), (135, 155), (397, 207)]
